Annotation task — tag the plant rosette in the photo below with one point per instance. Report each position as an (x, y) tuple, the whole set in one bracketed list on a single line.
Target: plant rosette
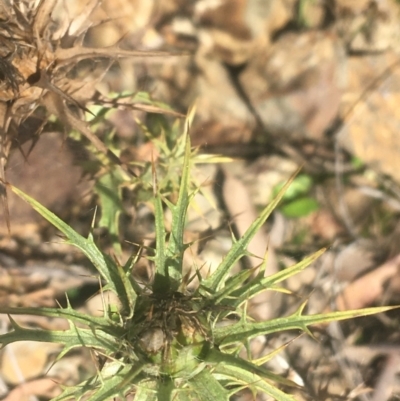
[(166, 341)]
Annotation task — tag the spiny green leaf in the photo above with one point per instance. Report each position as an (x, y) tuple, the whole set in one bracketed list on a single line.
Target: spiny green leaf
[(99, 390), (87, 246), (217, 357), (232, 284), (161, 279), (243, 330), (252, 381), (103, 263), (109, 189), (255, 286), (76, 392), (130, 288), (176, 247), (128, 269), (267, 357), (103, 323), (71, 338), (239, 248)]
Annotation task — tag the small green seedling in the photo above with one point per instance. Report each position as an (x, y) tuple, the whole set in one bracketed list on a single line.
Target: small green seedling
[(296, 202)]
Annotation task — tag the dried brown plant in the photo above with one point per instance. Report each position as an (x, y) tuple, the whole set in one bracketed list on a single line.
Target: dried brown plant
[(39, 50)]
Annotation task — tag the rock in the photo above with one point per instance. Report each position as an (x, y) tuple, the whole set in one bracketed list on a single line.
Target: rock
[(234, 30), (369, 110), (224, 116), (295, 86)]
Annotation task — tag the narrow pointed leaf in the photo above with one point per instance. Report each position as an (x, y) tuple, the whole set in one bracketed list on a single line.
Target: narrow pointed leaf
[(176, 246), (241, 331), (253, 381), (100, 390), (239, 248), (103, 263), (232, 285), (216, 357), (109, 190), (72, 338), (102, 323), (76, 393), (254, 287), (161, 280), (273, 354), (129, 290)]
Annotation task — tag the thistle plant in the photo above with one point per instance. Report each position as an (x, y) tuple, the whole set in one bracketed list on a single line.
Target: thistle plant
[(166, 340)]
